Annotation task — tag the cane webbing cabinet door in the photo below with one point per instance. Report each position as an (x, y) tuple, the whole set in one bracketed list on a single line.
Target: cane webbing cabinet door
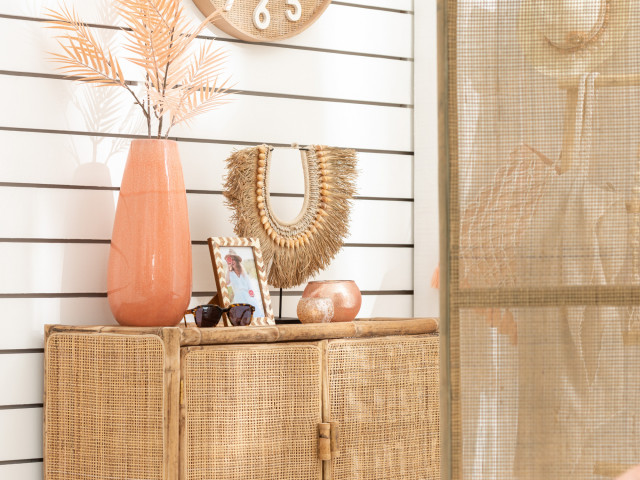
[(348, 401), (104, 407), (251, 412), (383, 394)]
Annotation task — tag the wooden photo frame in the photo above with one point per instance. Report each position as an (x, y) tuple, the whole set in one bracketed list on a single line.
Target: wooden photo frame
[(237, 263)]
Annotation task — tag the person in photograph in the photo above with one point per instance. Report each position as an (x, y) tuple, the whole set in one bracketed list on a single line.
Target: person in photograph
[(243, 288)]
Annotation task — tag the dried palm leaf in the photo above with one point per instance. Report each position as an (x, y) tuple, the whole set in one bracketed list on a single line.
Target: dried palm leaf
[(85, 60), (179, 83), (198, 90), (199, 99)]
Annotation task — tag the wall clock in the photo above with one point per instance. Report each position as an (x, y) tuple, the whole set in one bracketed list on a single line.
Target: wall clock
[(263, 20)]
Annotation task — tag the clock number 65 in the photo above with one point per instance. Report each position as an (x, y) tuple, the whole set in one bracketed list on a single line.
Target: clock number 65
[(262, 17)]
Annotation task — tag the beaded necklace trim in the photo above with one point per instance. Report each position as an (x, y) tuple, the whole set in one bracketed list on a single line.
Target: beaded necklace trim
[(296, 250)]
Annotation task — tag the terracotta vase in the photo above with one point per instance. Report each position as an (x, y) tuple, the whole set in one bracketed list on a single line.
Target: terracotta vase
[(149, 273), (344, 294)]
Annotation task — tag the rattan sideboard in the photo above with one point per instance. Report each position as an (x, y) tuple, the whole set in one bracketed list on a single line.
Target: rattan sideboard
[(344, 401)]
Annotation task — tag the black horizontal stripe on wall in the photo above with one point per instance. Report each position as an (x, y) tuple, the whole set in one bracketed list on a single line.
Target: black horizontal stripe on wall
[(55, 76), (292, 293), (186, 139), (193, 242), (386, 199), (57, 186), (320, 99), (237, 40), (193, 294), (301, 195), (373, 7), (314, 49), (55, 295), (18, 462), (189, 191), (83, 241), (346, 245), (21, 406), (15, 351)]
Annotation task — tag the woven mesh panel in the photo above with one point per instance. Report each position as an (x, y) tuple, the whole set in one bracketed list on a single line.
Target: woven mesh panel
[(543, 244), (384, 394), (253, 413), (104, 407)]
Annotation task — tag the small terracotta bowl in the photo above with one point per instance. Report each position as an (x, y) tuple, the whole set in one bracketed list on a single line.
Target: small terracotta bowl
[(315, 310)]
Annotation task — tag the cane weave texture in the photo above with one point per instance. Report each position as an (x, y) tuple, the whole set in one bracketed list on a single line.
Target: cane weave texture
[(252, 412), (104, 407), (241, 17), (384, 395), (542, 238)]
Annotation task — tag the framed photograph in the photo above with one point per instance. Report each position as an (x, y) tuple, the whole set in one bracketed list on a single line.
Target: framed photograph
[(240, 277)]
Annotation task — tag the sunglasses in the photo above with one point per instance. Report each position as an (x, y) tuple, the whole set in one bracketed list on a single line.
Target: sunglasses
[(239, 314)]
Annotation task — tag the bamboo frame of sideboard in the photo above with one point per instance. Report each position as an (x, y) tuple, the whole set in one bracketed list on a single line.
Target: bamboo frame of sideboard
[(373, 327)]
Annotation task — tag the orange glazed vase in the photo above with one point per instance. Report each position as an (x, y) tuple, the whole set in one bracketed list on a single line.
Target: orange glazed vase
[(149, 273)]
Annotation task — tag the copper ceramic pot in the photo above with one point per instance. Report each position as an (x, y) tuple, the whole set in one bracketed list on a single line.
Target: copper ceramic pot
[(345, 295)]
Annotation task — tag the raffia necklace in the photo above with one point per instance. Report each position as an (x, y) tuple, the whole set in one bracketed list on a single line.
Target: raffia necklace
[(296, 250)]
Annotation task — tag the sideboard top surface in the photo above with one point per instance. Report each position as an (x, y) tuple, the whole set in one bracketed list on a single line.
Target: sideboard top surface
[(191, 335)]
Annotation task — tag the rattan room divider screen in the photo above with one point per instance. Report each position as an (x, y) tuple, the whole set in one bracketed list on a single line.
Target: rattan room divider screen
[(300, 402), (540, 215)]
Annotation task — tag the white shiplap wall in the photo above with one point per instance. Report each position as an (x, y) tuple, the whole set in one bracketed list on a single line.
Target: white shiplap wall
[(346, 81)]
